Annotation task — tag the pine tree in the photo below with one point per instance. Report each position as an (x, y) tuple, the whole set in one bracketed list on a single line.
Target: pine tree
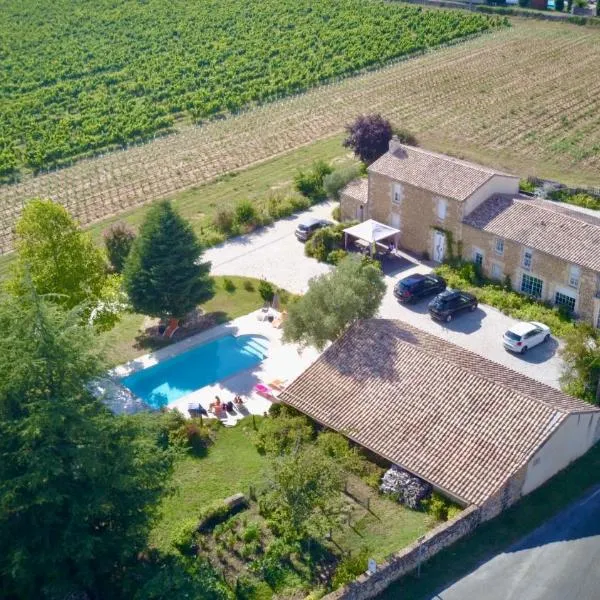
[(163, 273), (78, 486)]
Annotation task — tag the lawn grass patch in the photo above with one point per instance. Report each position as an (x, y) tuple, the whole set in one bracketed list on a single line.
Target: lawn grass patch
[(127, 340), (497, 535)]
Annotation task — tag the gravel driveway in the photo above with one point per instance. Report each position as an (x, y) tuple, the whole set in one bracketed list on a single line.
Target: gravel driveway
[(274, 254)]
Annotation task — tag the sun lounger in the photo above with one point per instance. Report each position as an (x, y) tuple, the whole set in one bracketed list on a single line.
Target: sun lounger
[(171, 328), (264, 390), (278, 384)]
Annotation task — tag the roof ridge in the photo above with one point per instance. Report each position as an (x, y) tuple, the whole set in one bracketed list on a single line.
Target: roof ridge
[(464, 369), (449, 158)]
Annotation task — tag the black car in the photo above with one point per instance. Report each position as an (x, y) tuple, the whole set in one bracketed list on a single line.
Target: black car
[(447, 304), (306, 229), (415, 287)]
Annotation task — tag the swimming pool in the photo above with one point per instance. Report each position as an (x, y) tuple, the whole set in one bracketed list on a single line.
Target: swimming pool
[(205, 364)]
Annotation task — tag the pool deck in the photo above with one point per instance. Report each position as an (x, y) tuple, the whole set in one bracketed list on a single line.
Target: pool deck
[(283, 362)]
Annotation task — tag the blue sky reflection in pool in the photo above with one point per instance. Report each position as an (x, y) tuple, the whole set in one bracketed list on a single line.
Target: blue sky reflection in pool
[(203, 365)]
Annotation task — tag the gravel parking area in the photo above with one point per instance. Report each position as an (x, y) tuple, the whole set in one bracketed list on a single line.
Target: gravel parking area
[(274, 254)]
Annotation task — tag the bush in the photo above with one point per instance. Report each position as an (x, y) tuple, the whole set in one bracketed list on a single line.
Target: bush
[(224, 220), (246, 213), (118, 241), (405, 137), (350, 568), (578, 198), (335, 256), (212, 515), (335, 181), (437, 506), (184, 539), (273, 565), (310, 183), (228, 285), (324, 241), (248, 285), (191, 436), (336, 214), (299, 203), (279, 435), (251, 533), (526, 185), (465, 276), (278, 207), (338, 447), (266, 291)]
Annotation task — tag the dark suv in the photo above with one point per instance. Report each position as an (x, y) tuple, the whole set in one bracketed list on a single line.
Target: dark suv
[(447, 304), (415, 287), (308, 227)]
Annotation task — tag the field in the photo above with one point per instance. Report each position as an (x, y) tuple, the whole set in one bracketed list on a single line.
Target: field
[(523, 99), (86, 76)]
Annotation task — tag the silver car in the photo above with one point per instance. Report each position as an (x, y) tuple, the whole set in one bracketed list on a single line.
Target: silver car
[(523, 336)]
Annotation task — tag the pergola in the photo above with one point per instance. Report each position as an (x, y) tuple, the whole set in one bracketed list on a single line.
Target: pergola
[(372, 234)]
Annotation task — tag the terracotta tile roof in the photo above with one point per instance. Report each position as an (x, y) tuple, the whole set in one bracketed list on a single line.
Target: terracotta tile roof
[(542, 225), (440, 174), (357, 189), (459, 421)]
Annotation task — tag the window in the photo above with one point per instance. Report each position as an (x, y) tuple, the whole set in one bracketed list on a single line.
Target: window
[(478, 257), (564, 300), (499, 246), (397, 193), (496, 271), (527, 258), (442, 207), (531, 285), (574, 275)]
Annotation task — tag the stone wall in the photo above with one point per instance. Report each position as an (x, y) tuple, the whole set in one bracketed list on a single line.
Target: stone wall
[(553, 271), (369, 586)]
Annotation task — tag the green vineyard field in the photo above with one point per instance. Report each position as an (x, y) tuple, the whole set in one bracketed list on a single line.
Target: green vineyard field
[(83, 77)]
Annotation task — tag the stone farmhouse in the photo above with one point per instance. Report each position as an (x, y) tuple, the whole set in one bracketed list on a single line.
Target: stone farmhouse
[(478, 432), (446, 207)]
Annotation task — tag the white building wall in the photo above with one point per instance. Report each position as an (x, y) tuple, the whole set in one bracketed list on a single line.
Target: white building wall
[(498, 184), (577, 434)]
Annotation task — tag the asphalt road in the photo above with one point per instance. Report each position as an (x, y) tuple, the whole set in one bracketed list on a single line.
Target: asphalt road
[(275, 254), (558, 561)]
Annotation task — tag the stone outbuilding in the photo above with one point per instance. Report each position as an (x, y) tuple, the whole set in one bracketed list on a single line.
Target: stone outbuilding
[(477, 431)]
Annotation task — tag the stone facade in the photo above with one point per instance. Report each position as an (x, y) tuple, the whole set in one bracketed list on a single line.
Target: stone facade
[(500, 258), (414, 211)]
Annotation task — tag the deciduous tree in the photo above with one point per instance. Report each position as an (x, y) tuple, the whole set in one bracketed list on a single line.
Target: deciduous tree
[(369, 137), (62, 262), (78, 486), (163, 275), (334, 301)]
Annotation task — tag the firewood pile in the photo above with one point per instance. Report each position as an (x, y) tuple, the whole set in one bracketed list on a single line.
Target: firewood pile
[(406, 488)]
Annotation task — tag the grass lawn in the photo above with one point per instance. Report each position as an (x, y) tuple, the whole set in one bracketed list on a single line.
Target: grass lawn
[(231, 465), (495, 536), (127, 340)]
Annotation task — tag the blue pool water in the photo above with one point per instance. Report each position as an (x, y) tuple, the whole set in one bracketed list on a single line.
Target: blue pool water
[(169, 380)]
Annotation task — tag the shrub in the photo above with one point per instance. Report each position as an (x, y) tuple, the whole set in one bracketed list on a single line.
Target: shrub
[(324, 241), (266, 291), (335, 181), (248, 285), (336, 214), (335, 256), (350, 568), (273, 565), (246, 213), (251, 533), (310, 183), (281, 434), (405, 136), (213, 515), (453, 511), (278, 207), (526, 185), (118, 241), (224, 220), (228, 285), (437, 506), (577, 198), (299, 203), (184, 539), (581, 3), (338, 447)]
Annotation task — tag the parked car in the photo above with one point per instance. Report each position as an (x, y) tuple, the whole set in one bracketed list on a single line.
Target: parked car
[(449, 303), (523, 336), (308, 227), (417, 286)]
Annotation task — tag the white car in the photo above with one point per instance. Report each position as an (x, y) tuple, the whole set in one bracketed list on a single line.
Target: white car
[(523, 336)]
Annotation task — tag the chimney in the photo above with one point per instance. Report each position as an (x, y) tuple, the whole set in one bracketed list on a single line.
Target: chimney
[(395, 144)]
